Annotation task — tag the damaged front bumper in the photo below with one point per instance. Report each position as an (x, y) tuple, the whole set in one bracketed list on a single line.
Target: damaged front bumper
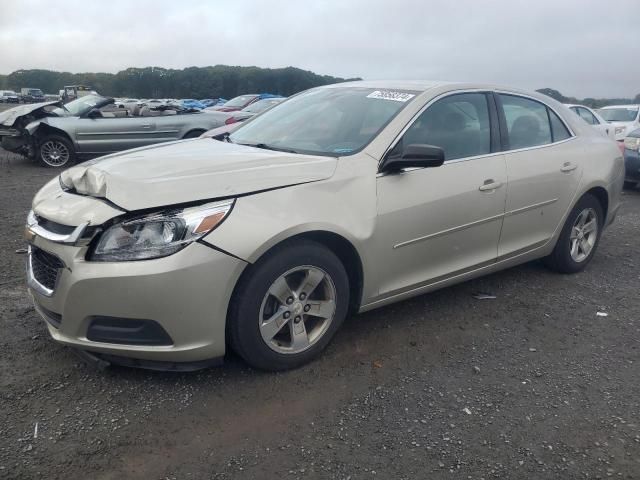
[(12, 140)]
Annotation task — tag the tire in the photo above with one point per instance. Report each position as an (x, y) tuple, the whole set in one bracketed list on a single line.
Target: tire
[(193, 134), (564, 258), (253, 303), (55, 151)]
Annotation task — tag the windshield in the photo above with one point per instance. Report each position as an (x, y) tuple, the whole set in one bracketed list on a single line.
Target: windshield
[(240, 101), (325, 121), (35, 91), (80, 106), (620, 114)]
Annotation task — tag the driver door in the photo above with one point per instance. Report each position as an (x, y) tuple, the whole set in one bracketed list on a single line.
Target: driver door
[(111, 133), (435, 223)]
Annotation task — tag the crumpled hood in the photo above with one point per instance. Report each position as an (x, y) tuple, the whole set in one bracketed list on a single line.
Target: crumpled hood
[(192, 170), (9, 117)]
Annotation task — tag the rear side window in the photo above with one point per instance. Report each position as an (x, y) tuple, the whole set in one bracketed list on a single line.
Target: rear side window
[(527, 122), (459, 124), (587, 116), (558, 129)]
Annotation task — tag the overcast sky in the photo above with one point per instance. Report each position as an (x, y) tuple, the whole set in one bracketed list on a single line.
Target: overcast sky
[(580, 47)]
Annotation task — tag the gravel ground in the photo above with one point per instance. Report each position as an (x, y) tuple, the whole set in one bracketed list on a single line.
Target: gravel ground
[(532, 384)]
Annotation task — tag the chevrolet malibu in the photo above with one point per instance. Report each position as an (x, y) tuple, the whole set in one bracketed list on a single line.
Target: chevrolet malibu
[(339, 200)]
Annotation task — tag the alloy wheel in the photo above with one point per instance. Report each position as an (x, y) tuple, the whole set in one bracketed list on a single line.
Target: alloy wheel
[(54, 153), (584, 235), (297, 309)]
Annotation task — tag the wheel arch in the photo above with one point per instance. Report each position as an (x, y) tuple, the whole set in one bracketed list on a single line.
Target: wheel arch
[(602, 196), (193, 130), (340, 246), (45, 129)]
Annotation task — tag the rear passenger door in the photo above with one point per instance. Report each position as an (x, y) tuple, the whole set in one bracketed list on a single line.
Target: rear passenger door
[(543, 167)]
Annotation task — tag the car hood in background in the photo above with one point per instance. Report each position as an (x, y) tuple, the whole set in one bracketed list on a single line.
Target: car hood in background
[(191, 170), (8, 117)]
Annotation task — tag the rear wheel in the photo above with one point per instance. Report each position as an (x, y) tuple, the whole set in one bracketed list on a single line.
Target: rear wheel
[(55, 151), (288, 306), (579, 237)]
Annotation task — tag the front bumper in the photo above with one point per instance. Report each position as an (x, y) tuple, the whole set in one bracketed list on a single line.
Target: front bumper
[(631, 165), (187, 294)]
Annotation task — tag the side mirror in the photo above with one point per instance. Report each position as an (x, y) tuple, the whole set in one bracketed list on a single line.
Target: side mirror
[(94, 113), (416, 155)]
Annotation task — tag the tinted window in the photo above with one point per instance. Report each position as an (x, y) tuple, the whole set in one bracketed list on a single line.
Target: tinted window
[(558, 128), (587, 116), (459, 124), (527, 122)]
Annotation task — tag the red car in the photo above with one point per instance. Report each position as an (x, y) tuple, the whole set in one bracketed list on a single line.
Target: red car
[(237, 103)]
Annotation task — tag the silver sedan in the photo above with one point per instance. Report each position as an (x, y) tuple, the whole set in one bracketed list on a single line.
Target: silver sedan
[(339, 200), (56, 135)]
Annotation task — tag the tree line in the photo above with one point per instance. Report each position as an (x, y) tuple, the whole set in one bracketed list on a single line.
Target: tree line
[(193, 82), (589, 102), (210, 82)]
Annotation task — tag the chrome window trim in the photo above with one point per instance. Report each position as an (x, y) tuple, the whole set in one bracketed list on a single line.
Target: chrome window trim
[(528, 97), (475, 157)]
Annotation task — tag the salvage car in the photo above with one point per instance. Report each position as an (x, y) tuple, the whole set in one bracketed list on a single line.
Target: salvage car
[(227, 118), (9, 96), (623, 118), (340, 200), (242, 101), (594, 119), (56, 135), (31, 95), (632, 159)]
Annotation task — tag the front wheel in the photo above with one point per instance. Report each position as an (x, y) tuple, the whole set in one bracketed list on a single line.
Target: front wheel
[(288, 306), (579, 237), (55, 151)]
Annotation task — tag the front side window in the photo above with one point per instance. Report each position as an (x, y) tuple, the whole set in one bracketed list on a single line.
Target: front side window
[(459, 124), (335, 121)]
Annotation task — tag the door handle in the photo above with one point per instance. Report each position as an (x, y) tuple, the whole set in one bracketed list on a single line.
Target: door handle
[(146, 125), (568, 167), (489, 185)]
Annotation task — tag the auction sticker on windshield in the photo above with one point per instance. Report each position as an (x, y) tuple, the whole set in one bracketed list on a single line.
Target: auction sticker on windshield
[(391, 95)]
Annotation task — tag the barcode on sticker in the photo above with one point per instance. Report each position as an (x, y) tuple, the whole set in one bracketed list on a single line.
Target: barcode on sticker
[(391, 95)]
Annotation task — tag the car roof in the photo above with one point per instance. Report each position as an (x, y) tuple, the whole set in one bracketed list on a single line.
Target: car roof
[(416, 85), (621, 106)]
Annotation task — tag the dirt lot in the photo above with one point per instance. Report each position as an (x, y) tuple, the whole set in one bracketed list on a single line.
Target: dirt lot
[(532, 384)]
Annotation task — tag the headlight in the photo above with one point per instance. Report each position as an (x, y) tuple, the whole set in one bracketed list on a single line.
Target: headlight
[(632, 143), (159, 234), (620, 130)]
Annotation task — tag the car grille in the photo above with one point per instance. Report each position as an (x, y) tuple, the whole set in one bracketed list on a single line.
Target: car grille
[(45, 267)]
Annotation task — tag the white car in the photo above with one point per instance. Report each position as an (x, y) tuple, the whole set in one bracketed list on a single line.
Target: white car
[(9, 96), (624, 119), (593, 118)]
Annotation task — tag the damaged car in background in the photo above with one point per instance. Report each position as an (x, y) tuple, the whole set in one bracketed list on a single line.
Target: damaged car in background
[(56, 134)]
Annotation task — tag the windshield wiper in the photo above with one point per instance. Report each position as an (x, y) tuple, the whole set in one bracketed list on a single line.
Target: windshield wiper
[(265, 146)]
